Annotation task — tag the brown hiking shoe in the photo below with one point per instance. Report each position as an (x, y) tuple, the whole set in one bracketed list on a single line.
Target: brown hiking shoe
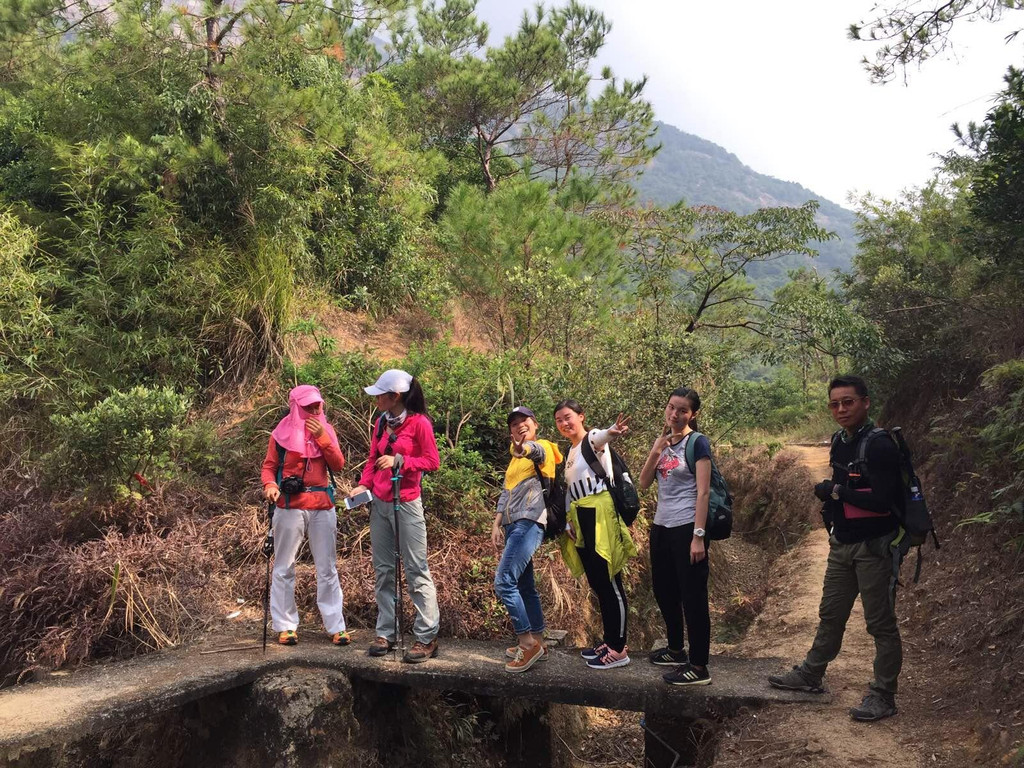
[(510, 652), (421, 652), (380, 647), (525, 658)]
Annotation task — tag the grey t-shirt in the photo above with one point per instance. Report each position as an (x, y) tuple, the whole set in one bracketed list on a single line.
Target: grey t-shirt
[(677, 486)]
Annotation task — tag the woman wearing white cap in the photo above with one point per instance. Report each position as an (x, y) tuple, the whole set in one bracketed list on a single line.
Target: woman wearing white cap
[(405, 430)]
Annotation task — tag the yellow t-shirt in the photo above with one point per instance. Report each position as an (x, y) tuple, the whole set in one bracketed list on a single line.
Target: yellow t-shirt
[(521, 468)]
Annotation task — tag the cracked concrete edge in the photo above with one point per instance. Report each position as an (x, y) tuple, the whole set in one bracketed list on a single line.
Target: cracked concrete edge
[(157, 700)]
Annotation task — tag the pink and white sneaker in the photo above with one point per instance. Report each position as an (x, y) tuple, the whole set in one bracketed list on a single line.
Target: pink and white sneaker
[(610, 659)]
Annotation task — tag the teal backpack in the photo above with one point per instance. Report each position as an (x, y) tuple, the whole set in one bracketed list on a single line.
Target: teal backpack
[(719, 525)]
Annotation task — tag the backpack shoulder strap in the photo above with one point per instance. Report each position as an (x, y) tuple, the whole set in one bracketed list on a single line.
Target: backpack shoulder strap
[(280, 462), (382, 422), (588, 454), (690, 453), (836, 437), (544, 486), (865, 442)]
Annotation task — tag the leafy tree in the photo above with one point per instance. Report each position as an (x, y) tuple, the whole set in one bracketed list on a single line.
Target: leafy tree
[(994, 167), (916, 30), (528, 100), (919, 277), (810, 326), (699, 256), (540, 272), (172, 231)]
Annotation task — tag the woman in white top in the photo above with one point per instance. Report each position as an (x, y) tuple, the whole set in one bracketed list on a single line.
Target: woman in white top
[(679, 563), (597, 541)]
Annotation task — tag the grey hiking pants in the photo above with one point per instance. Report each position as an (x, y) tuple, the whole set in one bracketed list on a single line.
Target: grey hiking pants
[(412, 535), (863, 568)]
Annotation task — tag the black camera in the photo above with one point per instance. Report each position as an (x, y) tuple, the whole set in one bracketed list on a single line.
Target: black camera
[(292, 485)]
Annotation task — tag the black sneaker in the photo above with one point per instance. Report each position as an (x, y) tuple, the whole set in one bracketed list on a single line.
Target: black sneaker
[(688, 674), (795, 680), (875, 706), (666, 657), (595, 652)]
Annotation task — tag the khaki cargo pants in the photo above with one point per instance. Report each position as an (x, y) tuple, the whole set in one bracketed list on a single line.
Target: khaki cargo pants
[(865, 569)]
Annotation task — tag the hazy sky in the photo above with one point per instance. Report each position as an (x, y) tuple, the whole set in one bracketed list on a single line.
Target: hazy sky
[(779, 85)]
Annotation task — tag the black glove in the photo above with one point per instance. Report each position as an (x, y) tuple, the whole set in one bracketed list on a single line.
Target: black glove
[(823, 490)]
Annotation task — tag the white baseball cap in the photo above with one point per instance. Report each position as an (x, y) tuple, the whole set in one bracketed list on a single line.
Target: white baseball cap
[(393, 380)]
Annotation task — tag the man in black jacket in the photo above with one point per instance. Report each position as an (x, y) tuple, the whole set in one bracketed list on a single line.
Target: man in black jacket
[(858, 504)]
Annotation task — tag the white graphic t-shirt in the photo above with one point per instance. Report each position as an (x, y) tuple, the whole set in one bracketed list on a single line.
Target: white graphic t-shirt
[(580, 480), (677, 486)]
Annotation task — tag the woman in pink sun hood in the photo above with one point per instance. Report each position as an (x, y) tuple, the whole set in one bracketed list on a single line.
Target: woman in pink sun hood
[(302, 452)]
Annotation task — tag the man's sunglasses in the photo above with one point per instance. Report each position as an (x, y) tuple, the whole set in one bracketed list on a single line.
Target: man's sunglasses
[(846, 402)]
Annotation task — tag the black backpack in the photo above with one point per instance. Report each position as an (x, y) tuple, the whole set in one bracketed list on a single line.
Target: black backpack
[(624, 495), (554, 501), (911, 511)]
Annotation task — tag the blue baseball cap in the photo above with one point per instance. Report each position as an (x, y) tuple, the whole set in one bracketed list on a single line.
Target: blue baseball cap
[(521, 410)]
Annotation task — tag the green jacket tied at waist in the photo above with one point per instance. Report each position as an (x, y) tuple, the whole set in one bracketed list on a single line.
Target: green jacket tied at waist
[(613, 541)]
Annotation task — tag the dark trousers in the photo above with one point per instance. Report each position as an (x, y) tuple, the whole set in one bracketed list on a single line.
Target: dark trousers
[(681, 590), (611, 596), (863, 568)]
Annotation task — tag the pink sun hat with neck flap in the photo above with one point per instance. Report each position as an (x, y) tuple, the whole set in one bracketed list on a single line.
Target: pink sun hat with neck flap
[(392, 380), (305, 394), (291, 434)]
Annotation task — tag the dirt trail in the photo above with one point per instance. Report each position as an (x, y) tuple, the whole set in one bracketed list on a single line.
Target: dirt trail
[(796, 736)]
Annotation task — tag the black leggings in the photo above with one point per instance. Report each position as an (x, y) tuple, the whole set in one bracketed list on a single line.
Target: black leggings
[(611, 596), (681, 589)]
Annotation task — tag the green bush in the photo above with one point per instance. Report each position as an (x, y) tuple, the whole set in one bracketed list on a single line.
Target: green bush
[(1003, 440), (463, 490), (126, 434)]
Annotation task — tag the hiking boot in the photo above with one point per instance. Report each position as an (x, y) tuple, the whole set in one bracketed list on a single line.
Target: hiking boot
[(341, 638), (381, 646), (610, 659), (525, 658), (795, 680), (688, 674), (876, 706), (420, 652), (288, 637), (510, 652), (666, 657), (595, 652)]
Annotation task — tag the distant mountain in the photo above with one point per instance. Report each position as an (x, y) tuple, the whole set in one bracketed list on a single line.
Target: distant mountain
[(702, 173)]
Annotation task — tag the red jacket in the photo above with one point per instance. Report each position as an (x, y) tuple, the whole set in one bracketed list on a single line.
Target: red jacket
[(415, 441), (312, 471)]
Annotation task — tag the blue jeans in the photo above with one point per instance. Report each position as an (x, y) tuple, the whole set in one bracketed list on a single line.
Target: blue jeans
[(513, 581)]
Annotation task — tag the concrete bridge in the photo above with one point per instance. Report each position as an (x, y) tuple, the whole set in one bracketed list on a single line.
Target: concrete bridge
[(68, 708)]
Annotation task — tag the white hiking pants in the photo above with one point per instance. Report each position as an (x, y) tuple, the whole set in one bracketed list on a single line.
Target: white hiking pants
[(321, 526)]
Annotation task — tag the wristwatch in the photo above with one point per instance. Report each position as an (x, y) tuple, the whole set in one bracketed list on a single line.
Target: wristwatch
[(698, 532), (835, 492)]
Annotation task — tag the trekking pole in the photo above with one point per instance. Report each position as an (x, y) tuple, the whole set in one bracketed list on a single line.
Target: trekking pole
[(396, 479), (268, 551)]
